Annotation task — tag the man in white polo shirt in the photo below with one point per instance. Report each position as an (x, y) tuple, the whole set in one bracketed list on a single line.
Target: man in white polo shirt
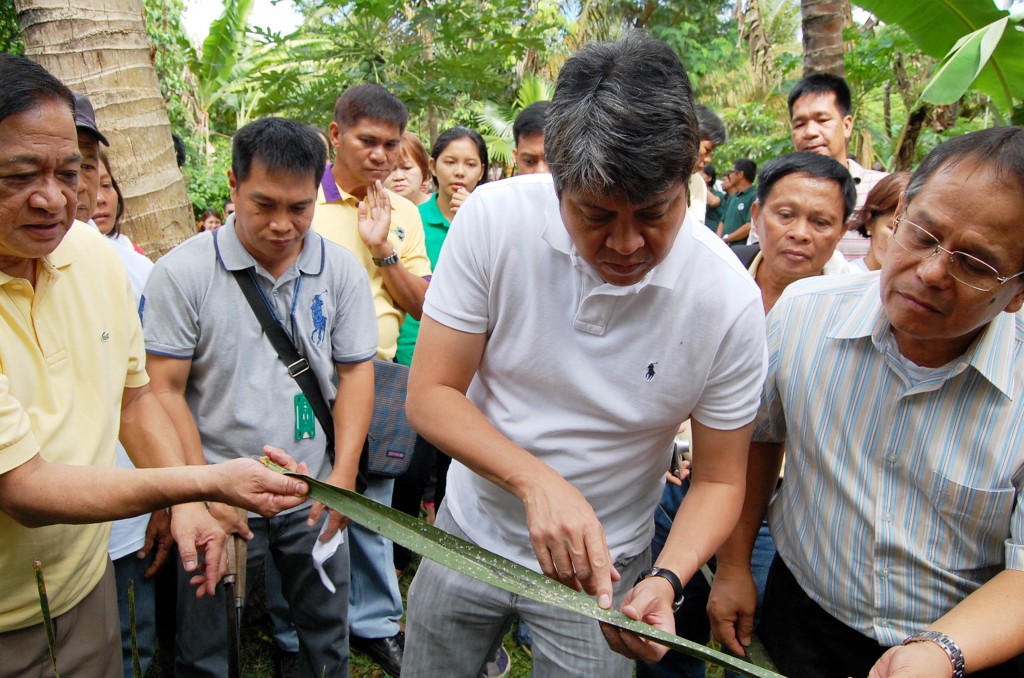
[(575, 321)]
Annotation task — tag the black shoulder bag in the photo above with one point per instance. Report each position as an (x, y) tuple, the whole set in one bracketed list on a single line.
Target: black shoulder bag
[(298, 367)]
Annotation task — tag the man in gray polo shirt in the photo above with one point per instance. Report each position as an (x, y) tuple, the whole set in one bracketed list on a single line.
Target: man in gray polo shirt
[(228, 393)]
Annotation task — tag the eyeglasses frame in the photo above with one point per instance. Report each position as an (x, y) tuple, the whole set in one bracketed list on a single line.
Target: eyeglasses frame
[(1001, 279)]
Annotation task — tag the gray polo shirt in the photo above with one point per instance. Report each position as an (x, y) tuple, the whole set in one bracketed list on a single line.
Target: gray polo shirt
[(238, 389)]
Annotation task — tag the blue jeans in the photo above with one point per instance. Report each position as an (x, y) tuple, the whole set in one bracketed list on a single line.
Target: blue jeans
[(456, 624), (375, 603), (130, 569), (319, 615), (691, 619)]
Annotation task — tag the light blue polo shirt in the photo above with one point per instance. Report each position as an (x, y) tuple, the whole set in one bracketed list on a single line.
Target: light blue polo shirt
[(238, 390)]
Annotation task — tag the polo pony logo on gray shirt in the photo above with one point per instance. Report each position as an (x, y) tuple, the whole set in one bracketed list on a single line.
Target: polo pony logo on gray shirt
[(316, 310)]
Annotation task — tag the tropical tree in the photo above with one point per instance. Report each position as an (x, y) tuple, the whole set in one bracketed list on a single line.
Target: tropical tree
[(976, 45), (936, 27), (438, 57), (111, 63), (217, 69), (10, 38), (495, 120), (823, 35)]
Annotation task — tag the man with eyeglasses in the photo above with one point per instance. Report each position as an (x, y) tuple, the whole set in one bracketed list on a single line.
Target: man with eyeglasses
[(900, 525)]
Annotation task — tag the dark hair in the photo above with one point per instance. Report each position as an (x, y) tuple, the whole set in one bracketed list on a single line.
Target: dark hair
[(369, 101), (454, 134), (412, 148), (179, 149), (1002, 148), (747, 168), (280, 144), (823, 83), (712, 173), (115, 230), (711, 126), (622, 120), (805, 162), (207, 213), (530, 120), (24, 85), (883, 198)]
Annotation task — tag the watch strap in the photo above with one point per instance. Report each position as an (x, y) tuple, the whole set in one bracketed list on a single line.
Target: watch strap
[(948, 645), (671, 578), (390, 260)]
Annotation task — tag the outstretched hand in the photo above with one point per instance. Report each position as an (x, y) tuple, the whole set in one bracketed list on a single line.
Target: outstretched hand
[(248, 484)]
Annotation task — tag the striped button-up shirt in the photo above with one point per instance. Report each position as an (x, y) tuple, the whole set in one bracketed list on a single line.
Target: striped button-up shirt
[(900, 491)]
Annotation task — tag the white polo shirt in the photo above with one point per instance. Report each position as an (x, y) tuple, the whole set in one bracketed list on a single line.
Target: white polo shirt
[(592, 378)]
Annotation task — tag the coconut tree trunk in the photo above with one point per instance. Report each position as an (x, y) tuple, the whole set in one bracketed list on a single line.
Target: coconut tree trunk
[(823, 35), (100, 48)]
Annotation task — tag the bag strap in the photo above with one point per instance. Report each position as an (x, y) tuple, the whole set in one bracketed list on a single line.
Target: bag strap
[(298, 367)]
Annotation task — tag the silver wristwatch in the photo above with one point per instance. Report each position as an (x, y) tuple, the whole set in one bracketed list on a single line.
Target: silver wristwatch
[(387, 261), (948, 645)]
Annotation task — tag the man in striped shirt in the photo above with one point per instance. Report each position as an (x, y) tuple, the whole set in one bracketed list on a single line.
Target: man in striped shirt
[(899, 400)]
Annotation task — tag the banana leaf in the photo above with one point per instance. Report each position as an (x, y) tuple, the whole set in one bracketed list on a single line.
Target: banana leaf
[(962, 65), (473, 561), (935, 26)]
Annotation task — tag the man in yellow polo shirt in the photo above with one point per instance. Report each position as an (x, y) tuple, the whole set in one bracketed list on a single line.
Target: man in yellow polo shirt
[(366, 130), (73, 380), (384, 231)]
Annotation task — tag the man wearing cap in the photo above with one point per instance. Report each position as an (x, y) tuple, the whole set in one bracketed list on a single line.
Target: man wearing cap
[(132, 540), (73, 380)]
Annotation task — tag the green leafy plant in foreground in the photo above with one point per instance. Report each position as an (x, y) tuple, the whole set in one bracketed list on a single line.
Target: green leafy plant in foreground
[(490, 568)]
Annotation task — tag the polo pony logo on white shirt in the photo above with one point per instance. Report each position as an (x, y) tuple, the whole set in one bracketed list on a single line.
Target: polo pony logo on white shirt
[(650, 372), (105, 336)]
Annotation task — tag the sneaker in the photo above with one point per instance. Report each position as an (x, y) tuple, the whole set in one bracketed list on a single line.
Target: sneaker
[(499, 666)]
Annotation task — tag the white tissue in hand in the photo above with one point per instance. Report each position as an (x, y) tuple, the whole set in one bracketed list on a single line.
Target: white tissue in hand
[(322, 550)]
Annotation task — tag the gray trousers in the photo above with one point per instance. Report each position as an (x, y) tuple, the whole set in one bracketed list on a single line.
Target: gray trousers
[(456, 623), (319, 615)]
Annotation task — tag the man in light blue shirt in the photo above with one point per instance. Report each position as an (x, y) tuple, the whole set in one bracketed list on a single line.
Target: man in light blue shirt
[(898, 399)]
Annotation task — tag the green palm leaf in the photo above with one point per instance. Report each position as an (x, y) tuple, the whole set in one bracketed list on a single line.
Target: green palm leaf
[(492, 569)]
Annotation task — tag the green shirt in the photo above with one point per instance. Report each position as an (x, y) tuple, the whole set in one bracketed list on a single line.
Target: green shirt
[(737, 209), (435, 230), (713, 215)]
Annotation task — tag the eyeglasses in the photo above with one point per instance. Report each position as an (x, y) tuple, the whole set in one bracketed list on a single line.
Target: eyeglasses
[(963, 267)]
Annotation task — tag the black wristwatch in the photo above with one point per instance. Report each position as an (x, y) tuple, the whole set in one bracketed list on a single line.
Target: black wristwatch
[(387, 261), (671, 578)]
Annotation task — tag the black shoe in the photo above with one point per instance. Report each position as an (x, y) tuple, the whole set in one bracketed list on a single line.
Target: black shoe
[(387, 652)]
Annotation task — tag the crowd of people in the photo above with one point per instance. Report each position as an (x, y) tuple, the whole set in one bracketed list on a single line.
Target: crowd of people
[(837, 349)]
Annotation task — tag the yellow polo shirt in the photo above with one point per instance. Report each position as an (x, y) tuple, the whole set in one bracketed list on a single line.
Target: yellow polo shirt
[(337, 218), (68, 348)]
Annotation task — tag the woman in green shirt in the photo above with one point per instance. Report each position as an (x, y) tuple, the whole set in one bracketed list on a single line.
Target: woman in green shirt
[(458, 164)]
